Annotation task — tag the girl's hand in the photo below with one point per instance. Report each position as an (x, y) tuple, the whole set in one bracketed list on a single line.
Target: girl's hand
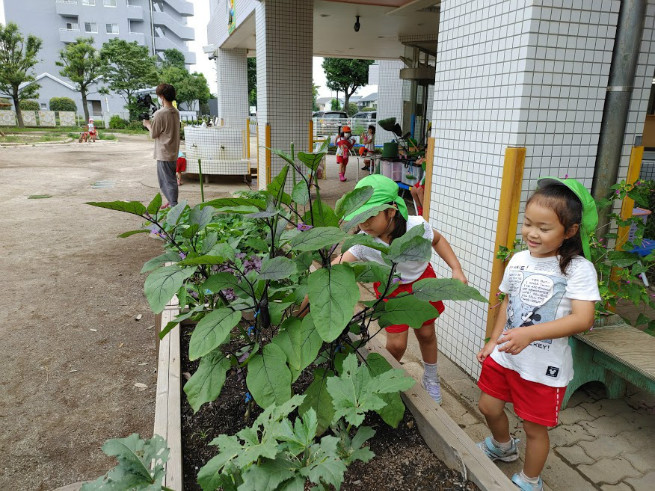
[(486, 351), (515, 340), (458, 274)]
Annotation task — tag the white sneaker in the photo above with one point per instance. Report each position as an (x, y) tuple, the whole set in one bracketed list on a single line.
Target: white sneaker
[(433, 386)]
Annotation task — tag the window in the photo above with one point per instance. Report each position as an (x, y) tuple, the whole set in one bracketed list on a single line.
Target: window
[(89, 2), (110, 3), (72, 26), (112, 28), (90, 27)]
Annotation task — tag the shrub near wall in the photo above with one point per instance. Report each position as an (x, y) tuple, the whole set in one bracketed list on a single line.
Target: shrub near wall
[(5, 104), (29, 105), (118, 123), (62, 104)]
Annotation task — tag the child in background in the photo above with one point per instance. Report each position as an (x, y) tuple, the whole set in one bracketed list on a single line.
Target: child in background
[(92, 133), (368, 140), (384, 227), (418, 191), (551, 291), (344, 144), (180, 166)]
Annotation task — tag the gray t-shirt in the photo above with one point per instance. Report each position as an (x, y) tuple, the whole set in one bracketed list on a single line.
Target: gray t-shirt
[(165, 130)]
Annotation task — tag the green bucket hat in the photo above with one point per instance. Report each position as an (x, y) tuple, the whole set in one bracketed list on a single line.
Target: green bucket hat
[(385, 191), (589, 211)]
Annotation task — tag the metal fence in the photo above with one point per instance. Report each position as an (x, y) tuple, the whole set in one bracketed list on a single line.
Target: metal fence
[(329, 127)]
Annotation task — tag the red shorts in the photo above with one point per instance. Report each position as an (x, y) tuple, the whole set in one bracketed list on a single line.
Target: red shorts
[(407, 287), (341, 159), (180, 165), (534, 402)]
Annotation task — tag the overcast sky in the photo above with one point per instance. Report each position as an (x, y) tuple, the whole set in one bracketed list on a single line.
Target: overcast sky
[(208, 68)]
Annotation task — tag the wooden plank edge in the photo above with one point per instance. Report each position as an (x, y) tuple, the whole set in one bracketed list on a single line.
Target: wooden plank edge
[(168, 400), (444, 437)]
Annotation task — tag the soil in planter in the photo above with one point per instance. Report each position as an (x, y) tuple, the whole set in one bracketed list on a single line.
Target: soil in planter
[(402, 461)]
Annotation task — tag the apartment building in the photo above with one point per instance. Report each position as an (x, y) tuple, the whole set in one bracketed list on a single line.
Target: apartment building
[(157, 24)]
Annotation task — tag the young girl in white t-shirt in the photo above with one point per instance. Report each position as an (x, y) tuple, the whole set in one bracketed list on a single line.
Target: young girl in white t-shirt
[(551, 291), (384, 227)]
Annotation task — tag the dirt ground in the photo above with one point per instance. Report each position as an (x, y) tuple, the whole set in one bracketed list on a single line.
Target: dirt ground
[(72, 347)]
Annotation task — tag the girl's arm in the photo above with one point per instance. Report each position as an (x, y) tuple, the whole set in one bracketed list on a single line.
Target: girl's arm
[(501, 319), (580, 319), (445, 252)]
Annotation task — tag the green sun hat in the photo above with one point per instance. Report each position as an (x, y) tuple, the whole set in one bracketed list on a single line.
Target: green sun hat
[(589, 211), (385, 191)]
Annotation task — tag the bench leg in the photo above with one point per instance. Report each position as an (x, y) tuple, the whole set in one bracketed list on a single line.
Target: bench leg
[(586, 370)]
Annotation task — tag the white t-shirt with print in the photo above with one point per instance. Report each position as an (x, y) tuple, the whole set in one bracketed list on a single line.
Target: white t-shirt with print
[(409, 271), (538, 292)]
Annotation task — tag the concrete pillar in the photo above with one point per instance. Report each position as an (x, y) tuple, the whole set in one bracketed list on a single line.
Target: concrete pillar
[(390, 97), (232, 76), (523, 75), (284, 76)]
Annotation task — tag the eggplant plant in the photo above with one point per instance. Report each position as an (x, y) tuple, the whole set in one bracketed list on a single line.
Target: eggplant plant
[(244, 287)]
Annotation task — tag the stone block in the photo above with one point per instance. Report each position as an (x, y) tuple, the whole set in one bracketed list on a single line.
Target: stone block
[(607, 446), (572, 415), (609, 471), (643, 460), (607, 425), (643, 483), (616, 487), (567, 435), (574, 454)]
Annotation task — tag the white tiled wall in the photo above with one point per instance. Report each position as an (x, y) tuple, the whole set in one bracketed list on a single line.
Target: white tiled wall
[(509, 74), (390, 97), (232, 92), (217, 28), (284, 75)]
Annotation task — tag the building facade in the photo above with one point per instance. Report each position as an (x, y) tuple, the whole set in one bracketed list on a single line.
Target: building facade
[(157, 24)]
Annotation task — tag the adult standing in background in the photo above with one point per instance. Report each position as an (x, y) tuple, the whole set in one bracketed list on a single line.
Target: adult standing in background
[(165, 130)]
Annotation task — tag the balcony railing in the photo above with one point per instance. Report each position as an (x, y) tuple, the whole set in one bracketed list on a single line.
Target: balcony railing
[(183, 32), (68, 35), (134, 12)]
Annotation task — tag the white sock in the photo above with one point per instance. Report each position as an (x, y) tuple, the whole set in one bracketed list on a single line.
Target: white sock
[(430, 370), (531, 480), (504, 446)]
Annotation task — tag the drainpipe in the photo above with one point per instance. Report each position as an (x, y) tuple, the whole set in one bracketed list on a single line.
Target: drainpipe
[(617, 101), (152, 30)]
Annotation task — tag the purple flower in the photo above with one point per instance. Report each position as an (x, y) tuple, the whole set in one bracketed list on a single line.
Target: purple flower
[(566, 176), (304, 227), (395, 280), (182, 255), (244, 357), (618, 191), (248, 398)]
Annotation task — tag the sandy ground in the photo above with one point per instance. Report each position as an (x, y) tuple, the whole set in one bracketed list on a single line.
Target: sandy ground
[(72, 349)]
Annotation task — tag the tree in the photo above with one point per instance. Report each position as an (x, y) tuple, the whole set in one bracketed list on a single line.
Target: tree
[(173, 57), (128, 67), (314, 97), (83, 65), (189, 87), (346, 75), (252, 81), (62, 104), (17, 59)]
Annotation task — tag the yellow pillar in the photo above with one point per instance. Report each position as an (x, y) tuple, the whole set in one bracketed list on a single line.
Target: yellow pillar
[(508, 217)]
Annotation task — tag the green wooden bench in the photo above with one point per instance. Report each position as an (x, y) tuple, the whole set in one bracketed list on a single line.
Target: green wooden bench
[(613, 354)]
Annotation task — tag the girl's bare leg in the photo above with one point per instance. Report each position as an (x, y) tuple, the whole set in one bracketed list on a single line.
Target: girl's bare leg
[(397, 344), (537, 448), (493, 411)]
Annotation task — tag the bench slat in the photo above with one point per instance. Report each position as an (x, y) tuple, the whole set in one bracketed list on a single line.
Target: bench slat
[(625, 344)]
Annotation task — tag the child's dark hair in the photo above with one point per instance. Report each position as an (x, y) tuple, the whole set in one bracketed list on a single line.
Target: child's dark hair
[(371, 127), (568, 208), (399, 224)]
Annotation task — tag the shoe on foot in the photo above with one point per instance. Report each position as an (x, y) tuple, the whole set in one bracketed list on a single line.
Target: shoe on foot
[(163, 207), (524, 485), (366, 168), (342, 178), (433, 387), (495, 453)]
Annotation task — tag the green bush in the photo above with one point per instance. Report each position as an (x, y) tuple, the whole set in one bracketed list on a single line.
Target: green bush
[(5, 104), (29, 105), (118, 123), (62, 104), (136, 125)]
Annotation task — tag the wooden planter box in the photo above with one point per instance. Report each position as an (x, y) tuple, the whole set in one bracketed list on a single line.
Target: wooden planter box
[(444, 437)]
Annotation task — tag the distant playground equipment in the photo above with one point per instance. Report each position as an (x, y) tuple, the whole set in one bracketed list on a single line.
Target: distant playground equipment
[(90, 135)]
